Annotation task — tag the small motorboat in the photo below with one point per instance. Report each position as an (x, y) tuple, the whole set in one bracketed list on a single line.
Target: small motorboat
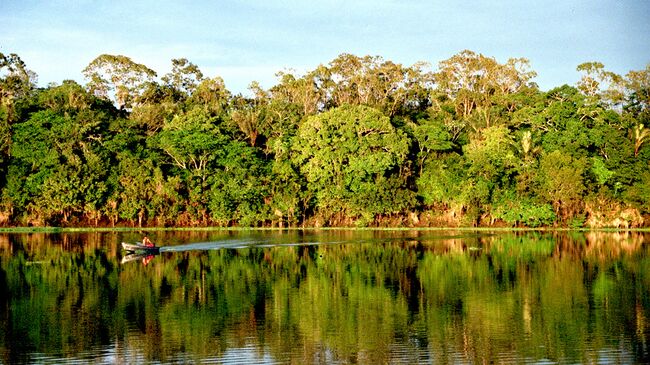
[(139, 248)]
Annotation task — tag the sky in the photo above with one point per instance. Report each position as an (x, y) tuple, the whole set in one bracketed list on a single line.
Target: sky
[(245, 41)]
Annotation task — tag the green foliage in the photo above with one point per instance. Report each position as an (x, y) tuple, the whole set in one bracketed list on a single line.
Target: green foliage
[(135, 189), (601, 172), (442, 181), (359, 141), (490, 154), (560, 179), (432, 137), (117, 77), (577, 221), (345, 154), (60, 154), (239, 187), (523, 212), (184, 77), (639, 193), (191, 140)]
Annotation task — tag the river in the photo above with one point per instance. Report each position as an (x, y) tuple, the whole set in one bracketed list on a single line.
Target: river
[(328, 296)]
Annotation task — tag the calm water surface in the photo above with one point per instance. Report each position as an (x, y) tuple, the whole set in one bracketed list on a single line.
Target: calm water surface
[(367, 297)]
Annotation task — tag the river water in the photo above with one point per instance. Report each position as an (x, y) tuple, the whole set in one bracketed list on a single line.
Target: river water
[(332, 296)]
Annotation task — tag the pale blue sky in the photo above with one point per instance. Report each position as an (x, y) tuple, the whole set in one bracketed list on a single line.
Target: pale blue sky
[(243, 41)]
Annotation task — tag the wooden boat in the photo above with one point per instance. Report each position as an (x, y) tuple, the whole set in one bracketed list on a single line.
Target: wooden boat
[(138, 247)]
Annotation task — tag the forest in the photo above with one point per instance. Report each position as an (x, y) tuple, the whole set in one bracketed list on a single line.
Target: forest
[(360, 141)]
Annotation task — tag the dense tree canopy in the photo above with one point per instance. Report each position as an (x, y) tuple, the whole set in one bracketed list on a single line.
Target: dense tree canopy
[(358, 141)]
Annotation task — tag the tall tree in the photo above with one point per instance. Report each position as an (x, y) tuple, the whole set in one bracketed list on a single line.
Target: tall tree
[(638, 86), (351, 157), (117, 78), (248, 114), (16, 83), (370, 80), (306, 91), (601, 85), (477, 83), (212, 96), (184, 77)]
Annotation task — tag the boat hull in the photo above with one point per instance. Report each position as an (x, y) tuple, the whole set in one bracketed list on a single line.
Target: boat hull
[(134, 247)]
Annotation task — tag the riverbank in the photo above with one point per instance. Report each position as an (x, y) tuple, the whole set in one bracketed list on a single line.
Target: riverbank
[(275, 229)]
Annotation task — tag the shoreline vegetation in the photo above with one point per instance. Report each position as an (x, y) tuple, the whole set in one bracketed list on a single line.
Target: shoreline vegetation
[(357, 142), (33, 230)]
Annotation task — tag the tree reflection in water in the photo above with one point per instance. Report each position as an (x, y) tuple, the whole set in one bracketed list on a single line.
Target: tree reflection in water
[(357, 297)]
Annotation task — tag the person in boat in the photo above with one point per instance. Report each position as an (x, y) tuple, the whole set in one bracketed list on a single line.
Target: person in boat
[(147, 242)]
